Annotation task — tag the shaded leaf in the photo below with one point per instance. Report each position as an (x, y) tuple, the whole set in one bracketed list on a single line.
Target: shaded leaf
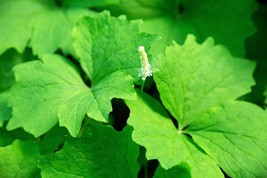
[(100, 152), (39, 23), (177, 171), (8, 60)]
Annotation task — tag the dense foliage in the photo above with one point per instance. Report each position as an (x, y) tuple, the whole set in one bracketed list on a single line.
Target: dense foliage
[(77, 98)]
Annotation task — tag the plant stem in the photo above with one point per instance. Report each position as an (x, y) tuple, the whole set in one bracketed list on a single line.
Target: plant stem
[(142, 86), (145, 164)]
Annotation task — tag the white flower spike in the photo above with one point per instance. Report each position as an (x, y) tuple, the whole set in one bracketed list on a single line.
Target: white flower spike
[(145, 70)]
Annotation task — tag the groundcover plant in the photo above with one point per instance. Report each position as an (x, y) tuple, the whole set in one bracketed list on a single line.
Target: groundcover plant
[(133, 88)]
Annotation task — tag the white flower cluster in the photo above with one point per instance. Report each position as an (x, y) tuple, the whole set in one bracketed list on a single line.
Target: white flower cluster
[(145, 70)]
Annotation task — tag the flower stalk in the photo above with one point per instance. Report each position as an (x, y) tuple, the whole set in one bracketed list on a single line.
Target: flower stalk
[(145, 70)]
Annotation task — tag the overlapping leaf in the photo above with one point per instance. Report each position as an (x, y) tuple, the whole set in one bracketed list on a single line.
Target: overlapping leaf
[(194, 77), (106, 44), (40, 89), (100, 152), (154, 130), (196, 83), (19, 160), (52, 90), (234, 135), (38, 22)]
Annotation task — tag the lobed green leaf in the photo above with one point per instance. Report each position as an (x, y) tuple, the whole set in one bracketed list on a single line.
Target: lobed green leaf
[(105, 44), (234, 136), (41, 88), (154, 130), (198, 85), (194, 77)]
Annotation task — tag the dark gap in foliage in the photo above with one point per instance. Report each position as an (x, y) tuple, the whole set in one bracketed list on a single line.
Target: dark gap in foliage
[(53, 140), (190, 139), (151, 169), (262, 1), (137, 86), (188, 135), (148, 166), (101, 9), (153, 91), (59, 3), (255, 50), (180, 8), (60, 146), (155, 95), (84, 76), (149, 84), (224, 173), (174, 121), (119, 115), (184, 128), (94, 9)]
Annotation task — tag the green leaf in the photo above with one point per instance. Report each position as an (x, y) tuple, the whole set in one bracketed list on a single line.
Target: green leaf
[(41, 88), (38, 23), (177, 171), (174, 19), (195, 77), (234, 135), (55, 85), (154, 130), (19, 160), (106, 44), (197, 84), (100, 152)]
